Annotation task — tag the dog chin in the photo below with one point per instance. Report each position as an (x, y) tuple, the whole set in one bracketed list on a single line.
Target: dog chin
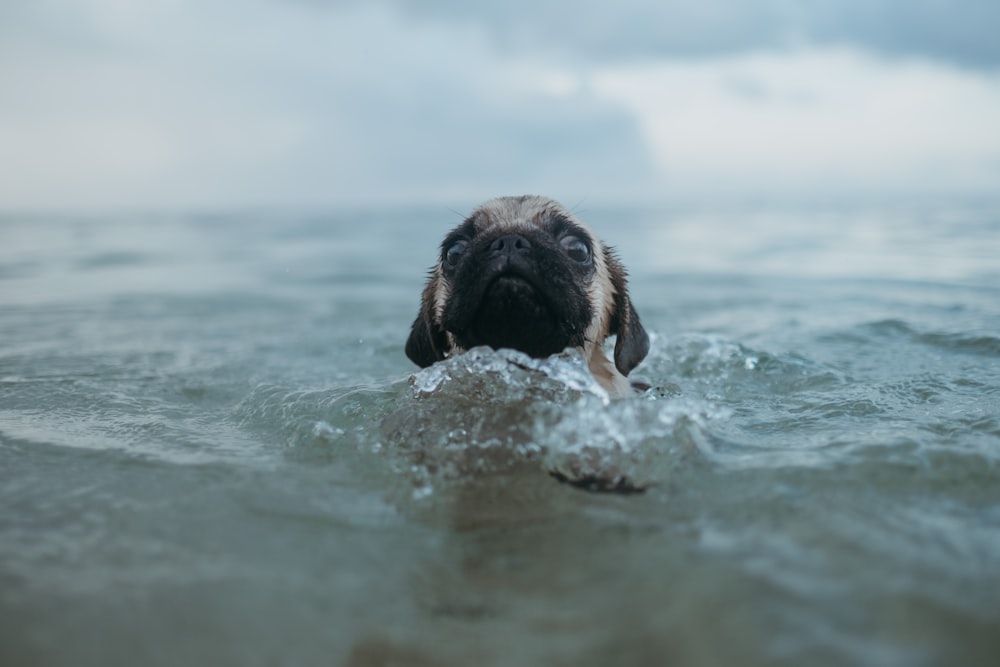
[(514, 314)]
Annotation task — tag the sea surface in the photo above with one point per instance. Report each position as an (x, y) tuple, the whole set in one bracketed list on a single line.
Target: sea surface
[(213, 450)]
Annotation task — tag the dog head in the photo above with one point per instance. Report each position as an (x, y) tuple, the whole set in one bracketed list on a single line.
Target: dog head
[(524, 273)]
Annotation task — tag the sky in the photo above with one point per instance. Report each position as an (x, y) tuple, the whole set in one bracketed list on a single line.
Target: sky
[(205, 104)]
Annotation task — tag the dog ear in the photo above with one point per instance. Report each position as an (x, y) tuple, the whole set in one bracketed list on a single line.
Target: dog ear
[(632, 344), (427, 342)]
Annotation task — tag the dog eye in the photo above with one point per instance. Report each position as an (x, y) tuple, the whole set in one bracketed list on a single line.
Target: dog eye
[(576, 249), (455, 252)]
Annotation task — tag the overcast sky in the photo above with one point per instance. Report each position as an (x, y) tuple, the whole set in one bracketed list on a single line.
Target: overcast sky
[(205, 103)]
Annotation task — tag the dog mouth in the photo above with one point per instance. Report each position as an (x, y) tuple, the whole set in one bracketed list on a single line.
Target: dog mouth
[(516, 292), (509, 280), (514, 312)]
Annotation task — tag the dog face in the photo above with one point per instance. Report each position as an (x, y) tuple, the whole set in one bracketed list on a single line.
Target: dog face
[(524, 273)]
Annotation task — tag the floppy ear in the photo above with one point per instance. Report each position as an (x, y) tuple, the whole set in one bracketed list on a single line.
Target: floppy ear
[(427, 342), (632, 344)]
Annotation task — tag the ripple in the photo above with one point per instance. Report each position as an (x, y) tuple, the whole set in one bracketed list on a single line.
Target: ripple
[(963, 342), (108, 260), (925, 389), (701, 364), (966, 343)]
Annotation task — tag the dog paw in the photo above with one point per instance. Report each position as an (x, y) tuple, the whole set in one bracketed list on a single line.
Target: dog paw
[(600, 483)]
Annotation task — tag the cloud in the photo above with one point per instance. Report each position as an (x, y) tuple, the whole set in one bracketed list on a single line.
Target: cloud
[(174, 104), (819, 121), (962, 34), (112, 103)]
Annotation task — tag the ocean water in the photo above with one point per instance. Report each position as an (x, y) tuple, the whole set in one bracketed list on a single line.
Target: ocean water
[(214, 451)]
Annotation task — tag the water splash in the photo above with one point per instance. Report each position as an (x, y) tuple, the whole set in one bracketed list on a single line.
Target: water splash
[(485, 411), (481, 367)]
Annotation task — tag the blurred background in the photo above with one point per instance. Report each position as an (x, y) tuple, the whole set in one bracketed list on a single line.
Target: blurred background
[(203, 104)]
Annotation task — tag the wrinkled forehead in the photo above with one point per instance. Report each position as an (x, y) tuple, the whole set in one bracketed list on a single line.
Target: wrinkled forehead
[(507, 215)]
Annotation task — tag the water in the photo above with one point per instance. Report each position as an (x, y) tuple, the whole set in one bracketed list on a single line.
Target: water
[(213, 450)]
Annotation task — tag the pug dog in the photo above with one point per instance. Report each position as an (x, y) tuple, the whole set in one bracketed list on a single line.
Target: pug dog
[(525, 273)]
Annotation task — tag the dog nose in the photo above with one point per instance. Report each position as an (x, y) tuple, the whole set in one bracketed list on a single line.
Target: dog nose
[(509, 245)]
